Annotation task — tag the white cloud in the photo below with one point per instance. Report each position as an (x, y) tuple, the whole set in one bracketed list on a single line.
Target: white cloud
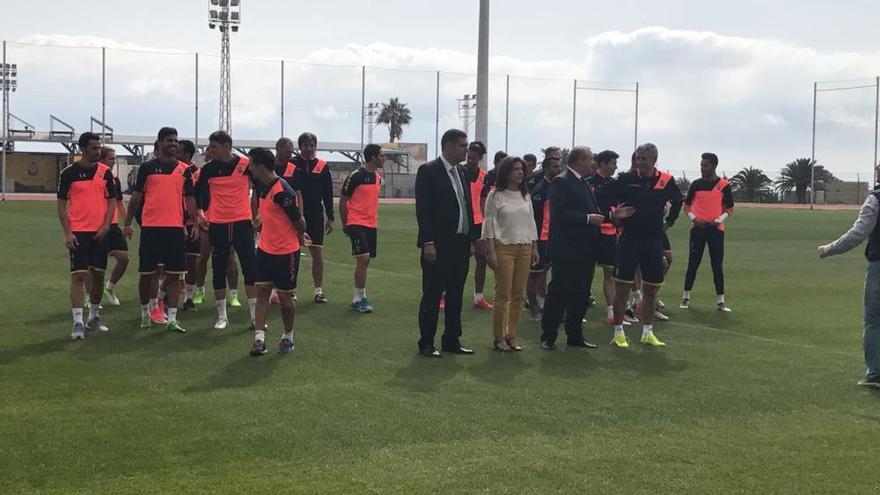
[(748, 99)]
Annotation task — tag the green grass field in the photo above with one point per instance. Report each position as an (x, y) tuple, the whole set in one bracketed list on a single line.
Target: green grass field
[(762, 400)]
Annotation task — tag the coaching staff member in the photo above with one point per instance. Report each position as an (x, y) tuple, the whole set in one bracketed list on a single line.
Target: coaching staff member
[(443, 208)]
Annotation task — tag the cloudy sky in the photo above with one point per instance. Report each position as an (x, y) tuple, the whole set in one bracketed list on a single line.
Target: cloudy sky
[(731, 77)]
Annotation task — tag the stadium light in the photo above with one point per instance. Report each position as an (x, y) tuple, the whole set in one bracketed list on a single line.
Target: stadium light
[(466, 105), (225, 16), (371, 112)]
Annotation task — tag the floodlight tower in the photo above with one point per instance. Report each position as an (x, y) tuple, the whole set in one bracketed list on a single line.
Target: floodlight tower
[(8, 82), (466, 105), (371, 113), (225, 15)]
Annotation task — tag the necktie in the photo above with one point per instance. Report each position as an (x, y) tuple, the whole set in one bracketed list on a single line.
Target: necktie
[(459, 195)]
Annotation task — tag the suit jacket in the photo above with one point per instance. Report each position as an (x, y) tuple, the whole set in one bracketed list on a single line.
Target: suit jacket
[(436, 205), (571, 235)]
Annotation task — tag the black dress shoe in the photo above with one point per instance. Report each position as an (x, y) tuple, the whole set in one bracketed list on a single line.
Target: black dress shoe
[(581, 343), (547, 345), (430, 352), (458, 350)]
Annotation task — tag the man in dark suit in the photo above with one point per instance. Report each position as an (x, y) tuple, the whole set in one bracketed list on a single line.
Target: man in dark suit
[(574, 239), (443, 208)]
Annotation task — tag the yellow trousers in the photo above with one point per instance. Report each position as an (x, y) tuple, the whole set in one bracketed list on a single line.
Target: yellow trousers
[(511, 275)]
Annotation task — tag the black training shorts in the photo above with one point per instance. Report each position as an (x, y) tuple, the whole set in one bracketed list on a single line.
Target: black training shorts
[(363, 240), (162, 246), (278, 270), (89, 253), (643, 254)]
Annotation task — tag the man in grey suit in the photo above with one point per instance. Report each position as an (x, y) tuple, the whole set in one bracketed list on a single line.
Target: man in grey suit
[(443, 209)]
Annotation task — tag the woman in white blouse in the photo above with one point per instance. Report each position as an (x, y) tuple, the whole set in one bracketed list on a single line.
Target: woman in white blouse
[(511, 235)]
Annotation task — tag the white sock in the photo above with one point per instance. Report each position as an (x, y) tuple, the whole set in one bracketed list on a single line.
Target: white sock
[(618, 329), (162, 294), (356, 295), (274, 293), (686, 294), (478, 296), (318, 290), (172, 314), (190, 291), (94, 311), (233, 293), (109, 285), (647, 330), (145, 309), (260, 335), (221, 307), (200, 289), (720, 298), (287, 335), (77, 315), (637, 296), (154, 303), (362, 293), (611, 311), (541, 301), (252, 307)]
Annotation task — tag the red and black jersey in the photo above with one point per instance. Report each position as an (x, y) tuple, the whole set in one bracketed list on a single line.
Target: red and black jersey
[(707, 199), (541, 206), (362, 189), (86, 188), (279, 214), (596, 181), (163, 184), (648, 195), (312, 178), (223, 190)]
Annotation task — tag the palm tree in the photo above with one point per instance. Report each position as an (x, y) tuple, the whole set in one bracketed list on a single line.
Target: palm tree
[(795, 177), (396, 115), (752, 186)]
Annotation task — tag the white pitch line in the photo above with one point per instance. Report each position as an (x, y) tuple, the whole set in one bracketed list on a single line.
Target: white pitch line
[(371, 270), (761, 339)]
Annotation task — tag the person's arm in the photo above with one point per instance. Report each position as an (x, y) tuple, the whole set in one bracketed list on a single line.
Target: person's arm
[(327, 195), (351, 183), (726, 204), (425, 202), (675, 202), (137, 196), (860, 230), (189, 201), (110, 193), (559, 214), (688, 204), (287, 201), (120, 200), (490, 230), (63, 192)]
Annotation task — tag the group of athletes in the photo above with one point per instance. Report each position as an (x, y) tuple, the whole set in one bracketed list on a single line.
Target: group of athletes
[(634, 255), (263, 208), (260, 208)]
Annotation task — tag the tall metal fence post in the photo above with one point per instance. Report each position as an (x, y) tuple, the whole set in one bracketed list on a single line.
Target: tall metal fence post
[(437, 118), (196, 137), (813, 150), (282, 98), (5, 123), (636, 131), (363, 102), (876, 119), (506, 112), (103, 92), (574, 103)]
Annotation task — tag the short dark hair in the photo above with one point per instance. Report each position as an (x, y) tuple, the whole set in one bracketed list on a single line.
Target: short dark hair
[(504, 170), (165, 132), (712, 157), (477, 147), (371, 151), (530, 158), (550, 149), (220, 137), (105, 151), (606, 157), (87, 137), (262, 157), (188, 147), (452, 135), (499, 155), (306, 137), (283, 140)]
